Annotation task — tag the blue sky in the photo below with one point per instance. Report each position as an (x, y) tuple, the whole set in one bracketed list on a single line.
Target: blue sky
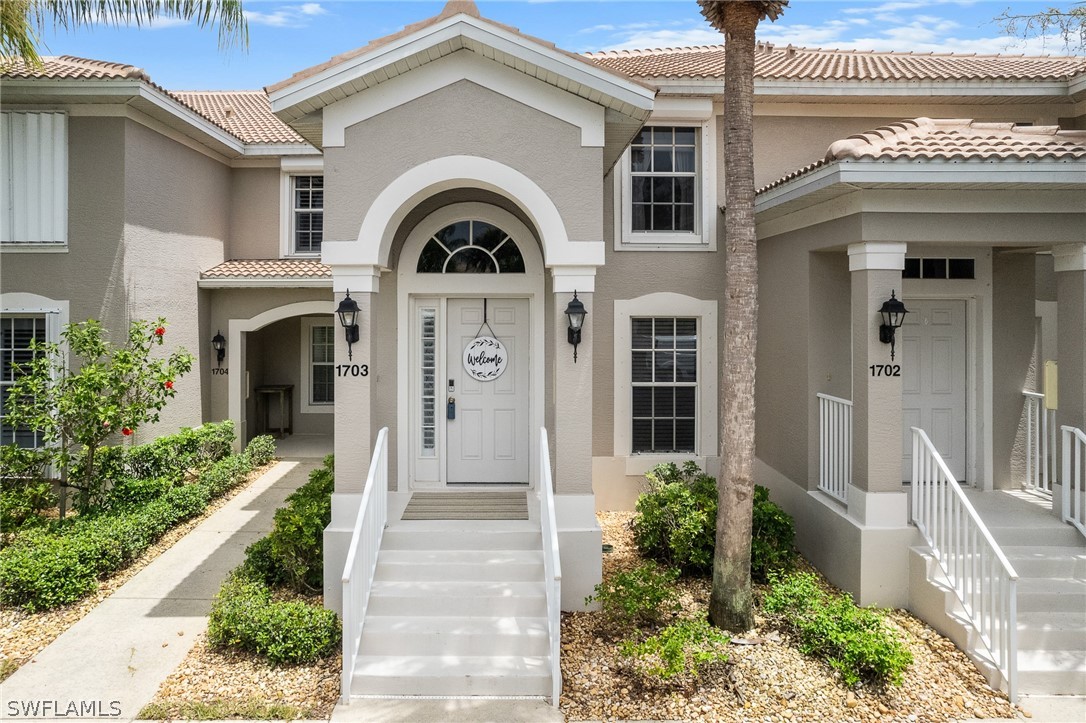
[(288, 36)]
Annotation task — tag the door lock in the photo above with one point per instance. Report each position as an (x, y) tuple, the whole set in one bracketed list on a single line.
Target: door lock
[(450, 408)]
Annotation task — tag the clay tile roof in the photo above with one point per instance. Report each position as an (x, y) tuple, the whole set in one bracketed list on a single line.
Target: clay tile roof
[(244, 113), (790, 63), (952, 139), (69, 66), (269, 269)]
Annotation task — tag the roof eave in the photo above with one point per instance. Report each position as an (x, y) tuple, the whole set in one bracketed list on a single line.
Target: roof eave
[(265, 283)]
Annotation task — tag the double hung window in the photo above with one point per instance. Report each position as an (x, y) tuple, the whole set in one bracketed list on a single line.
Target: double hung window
[(307, 214), (664, 180), (17, 333), (664, 379), (33, 179)]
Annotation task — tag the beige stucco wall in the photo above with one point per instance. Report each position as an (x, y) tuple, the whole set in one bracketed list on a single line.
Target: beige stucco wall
[(463, 119), (1013, 336), (254, 213)]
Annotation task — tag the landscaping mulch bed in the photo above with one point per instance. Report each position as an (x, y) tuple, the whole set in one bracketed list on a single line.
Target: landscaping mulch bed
[(766, 679), (23, 635)]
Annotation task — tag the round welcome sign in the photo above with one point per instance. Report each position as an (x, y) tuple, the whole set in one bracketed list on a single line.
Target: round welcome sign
[(485, 358)]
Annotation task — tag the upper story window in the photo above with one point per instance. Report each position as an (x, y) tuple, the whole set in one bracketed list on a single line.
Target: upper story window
[(307, 214), (33, 178), (665, 190), (470, 247), (663, 166)]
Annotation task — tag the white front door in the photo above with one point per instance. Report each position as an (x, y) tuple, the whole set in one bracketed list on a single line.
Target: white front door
[(488, 433), (932, 352)]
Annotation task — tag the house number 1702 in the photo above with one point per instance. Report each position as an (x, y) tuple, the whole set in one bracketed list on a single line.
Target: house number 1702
[(352, 370), (885, 370)]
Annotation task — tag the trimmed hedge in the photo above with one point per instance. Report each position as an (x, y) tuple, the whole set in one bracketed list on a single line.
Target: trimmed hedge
[(47, 568), (245, 616)]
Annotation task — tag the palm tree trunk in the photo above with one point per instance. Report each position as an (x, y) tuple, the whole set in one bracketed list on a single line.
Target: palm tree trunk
[(730, 604)]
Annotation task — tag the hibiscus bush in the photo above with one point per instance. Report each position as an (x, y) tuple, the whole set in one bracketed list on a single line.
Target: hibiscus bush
[(83, 391)]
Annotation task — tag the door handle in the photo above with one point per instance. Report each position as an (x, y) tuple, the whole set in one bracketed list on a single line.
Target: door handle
[(450, 408)]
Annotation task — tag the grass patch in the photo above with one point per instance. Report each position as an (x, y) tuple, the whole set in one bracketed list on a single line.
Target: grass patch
[(7, 667), (251, 709)]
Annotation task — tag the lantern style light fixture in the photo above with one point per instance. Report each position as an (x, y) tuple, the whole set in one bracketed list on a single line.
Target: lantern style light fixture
[(576, 313), (348, 319), (218, 343), (893, 316)]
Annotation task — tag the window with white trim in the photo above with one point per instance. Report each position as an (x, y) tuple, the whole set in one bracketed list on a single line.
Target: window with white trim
[(17, 334), (665, 382), (33, 178), (318, 348), (664, 385), (665, 189), (306, 214)]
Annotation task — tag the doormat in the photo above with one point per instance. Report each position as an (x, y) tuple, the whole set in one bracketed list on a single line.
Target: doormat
[(467, 506)]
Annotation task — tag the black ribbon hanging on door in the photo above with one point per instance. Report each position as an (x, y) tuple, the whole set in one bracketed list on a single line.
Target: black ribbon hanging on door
[(486, 324)]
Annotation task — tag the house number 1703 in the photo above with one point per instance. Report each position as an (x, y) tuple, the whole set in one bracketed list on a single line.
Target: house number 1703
[(885, 370), (352, 370)]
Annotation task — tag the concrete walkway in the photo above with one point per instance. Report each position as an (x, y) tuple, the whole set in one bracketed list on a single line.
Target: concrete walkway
[(110, 663)]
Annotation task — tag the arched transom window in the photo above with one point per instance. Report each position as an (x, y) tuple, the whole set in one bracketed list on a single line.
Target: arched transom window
[(470, 247)]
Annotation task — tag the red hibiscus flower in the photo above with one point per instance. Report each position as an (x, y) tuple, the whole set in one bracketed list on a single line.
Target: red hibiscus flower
[(169, 384), (126, 432), (160, 331)]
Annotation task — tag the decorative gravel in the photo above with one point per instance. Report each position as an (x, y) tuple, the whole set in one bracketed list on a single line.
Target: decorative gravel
[(23, 635), (767, 679)]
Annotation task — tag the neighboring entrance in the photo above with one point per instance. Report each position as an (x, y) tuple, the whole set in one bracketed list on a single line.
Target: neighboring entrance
[(488, 435), (933, 358)]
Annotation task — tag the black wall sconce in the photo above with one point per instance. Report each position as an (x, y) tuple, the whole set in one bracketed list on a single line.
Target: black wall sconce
[(348, 319), (218, 343), (893, 316), (575, 313)]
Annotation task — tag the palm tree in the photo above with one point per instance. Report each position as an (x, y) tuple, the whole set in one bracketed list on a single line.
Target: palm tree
[(730, 604), (21, 21)]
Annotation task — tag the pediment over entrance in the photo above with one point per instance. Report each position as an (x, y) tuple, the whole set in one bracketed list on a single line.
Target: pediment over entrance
[(559, 83)]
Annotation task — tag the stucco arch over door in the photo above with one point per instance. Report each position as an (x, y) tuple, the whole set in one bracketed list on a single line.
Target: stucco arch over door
[(400, 197), (235, 350)]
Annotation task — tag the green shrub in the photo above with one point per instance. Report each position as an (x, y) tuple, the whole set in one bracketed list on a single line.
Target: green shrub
[(129, 493), (176, 454), (245, 616), (261, 450), (261, 564), (854, 641), (679, 652), (642, 596), (225, 474), (42, 571), (297, 536), (676, 523), (773, 537), (24, 491)]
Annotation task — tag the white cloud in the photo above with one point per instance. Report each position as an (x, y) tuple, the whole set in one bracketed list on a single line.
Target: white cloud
[(161, 23), (286, 16)]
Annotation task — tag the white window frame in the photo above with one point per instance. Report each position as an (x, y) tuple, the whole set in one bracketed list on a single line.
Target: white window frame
[(703, 237), (306, 397), (292, 167), (55, 311), (666, 304), (29, 221)]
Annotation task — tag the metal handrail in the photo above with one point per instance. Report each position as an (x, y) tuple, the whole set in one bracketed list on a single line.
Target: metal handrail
[(834, 446), (552, 564), (361, 564), (1074, 477), (1040, 443), (981, 576)]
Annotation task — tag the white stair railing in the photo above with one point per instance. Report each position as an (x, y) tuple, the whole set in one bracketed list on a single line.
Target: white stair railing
[(1040, 444), (981, 576), (1074, 477), (834, 446), (552, 564), (369, 527)]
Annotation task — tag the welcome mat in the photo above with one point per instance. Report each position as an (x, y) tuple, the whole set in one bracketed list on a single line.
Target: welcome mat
[(467, 506)]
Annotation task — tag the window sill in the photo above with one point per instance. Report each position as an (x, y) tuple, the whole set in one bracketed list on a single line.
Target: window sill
[(33, 248), (638, 464), (663, 242), (318, 408)]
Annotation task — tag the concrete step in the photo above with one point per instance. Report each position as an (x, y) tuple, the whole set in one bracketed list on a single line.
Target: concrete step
[(1052, 631), (458, 598), (451, 675), (410, 570), (1047, 561), (432, 537), (1060, 535), (1058, 595), (461, 557), (442, 635), (1052, 671)]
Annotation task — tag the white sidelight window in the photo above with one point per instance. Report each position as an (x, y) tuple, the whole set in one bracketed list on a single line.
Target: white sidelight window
[(428, 381), (33, 178), (307, 214)]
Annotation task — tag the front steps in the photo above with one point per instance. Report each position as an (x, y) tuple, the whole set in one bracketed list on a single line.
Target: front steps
[(458, 608), (1050, 559)]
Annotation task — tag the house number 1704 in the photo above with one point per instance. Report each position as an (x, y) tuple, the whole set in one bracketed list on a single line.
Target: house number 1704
[(885, 370), (352, 370)]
